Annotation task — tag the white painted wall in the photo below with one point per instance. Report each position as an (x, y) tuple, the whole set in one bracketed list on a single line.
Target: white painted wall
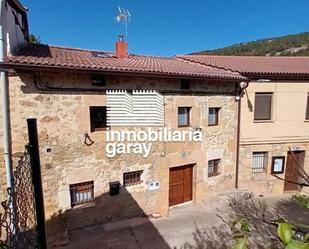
[(288, 123)]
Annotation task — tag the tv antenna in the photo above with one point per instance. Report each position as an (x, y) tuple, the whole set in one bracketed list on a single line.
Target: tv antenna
[(124, 17)]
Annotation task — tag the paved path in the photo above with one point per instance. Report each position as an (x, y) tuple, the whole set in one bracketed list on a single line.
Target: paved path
[(143, 233), (187, 227)]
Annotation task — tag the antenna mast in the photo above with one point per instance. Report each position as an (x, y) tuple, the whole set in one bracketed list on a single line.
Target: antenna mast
[(124, 17)]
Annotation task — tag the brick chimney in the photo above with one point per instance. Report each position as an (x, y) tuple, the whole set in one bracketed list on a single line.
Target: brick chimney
[(121, 48)]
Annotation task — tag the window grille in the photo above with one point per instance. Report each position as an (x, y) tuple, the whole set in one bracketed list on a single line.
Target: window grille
[(82, 193), (259, 162), (213, 167), (132, 178)]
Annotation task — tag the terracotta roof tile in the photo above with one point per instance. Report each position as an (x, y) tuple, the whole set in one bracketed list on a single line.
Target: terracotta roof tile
[(263, 65), (60, 57)]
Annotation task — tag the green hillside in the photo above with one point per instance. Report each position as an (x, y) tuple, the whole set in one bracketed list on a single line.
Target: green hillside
[(290, 45)]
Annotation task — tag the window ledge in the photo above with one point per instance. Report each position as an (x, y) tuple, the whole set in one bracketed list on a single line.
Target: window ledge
[(100, 129), (259, 173), (128, 185), (84, 205), (306, 120), (263, 121)]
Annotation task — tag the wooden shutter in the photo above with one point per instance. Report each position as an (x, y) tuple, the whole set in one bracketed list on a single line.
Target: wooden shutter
[(262, 108), (307, 112)]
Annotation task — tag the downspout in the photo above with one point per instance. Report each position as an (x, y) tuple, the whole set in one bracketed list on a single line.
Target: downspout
[(5, 108), (238, 99)]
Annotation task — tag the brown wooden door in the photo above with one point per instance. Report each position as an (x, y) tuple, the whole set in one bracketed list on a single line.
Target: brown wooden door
[(180, 185), (291, 172)]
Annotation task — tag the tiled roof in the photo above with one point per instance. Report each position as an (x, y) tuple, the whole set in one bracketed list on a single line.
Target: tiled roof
[(79, 59), (254, 65)]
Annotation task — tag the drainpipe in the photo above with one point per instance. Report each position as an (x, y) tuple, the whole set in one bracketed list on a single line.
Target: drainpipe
[(5, 108), (242, 87)]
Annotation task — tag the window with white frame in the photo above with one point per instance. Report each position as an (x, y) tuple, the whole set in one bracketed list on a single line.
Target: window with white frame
[(184, 116), (259, 162), (213, 116)]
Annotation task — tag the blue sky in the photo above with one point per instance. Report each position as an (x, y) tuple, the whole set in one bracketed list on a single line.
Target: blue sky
[(165, 27)]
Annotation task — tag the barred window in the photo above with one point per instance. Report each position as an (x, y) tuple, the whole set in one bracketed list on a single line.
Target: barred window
[(213, 167), (259, 162), (132, 178), (82, 193)]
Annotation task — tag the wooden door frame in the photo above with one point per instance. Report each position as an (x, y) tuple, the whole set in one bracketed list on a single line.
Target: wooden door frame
[(193, 165), (286, 168)]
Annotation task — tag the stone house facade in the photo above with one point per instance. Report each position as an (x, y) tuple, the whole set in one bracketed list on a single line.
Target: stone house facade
[(65, 90), (61, 101)]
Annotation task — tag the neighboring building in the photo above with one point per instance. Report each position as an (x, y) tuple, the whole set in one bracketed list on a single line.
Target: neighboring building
[(15, 35), (15, 26), (274, 118)]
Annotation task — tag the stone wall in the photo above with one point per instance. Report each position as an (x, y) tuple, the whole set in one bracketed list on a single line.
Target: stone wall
[(63, 119), (265, 183)]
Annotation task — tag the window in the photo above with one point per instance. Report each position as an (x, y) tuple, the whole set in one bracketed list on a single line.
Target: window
[(262, 109), (213, 167), (184, 84), (132, 178), (98, 80), (307, 111), (184, 116), (98, 118), (81, 193), (213, 116), (259, 162)]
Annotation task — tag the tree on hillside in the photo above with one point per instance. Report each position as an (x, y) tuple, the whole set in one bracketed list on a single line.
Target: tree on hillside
[(33, 39)]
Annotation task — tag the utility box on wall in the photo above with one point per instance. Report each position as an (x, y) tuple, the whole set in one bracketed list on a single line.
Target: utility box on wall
[(154, 185)]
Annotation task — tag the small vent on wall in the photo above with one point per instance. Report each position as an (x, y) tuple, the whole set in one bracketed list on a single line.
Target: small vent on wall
[(184, 84), (98, 80)]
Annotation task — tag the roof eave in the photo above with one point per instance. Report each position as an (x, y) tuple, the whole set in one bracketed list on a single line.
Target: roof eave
[(277, 76), (33, 68)]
